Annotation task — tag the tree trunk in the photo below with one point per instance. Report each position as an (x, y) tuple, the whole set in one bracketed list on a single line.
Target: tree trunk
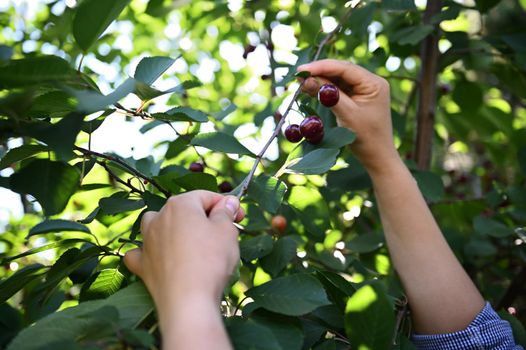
[(427, 98)]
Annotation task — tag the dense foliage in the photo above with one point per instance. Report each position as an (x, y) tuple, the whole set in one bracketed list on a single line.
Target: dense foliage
[(204, 80)]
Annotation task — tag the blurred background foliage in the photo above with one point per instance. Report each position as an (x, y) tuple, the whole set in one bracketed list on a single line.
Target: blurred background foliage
[(234, 62)]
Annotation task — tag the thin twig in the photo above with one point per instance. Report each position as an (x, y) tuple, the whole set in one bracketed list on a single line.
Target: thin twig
[(118, 179), (257, 161), (124, 165)]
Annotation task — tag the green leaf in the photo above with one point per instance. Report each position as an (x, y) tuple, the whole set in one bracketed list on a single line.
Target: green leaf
[(293, 295), (33, 71), (488, 227), (11, 285), (20, 153), (365, 243), (256, 247), (519, 332), (225, 112), (412, 35), (114, 205), (59, 244), (430, 185), (337, 137), (283, 252), (53, 104), (182, 114), (312, 210), (103, 284), (268, 192), (150, 69), (369, 318), (92, 101), (61, 136), (133, 304), (287, 330), (57, 225), (399, 5), (220, 142), (249, 335), (303, 74), (197, 181), (91, 19), (318, 161), (51, 183)]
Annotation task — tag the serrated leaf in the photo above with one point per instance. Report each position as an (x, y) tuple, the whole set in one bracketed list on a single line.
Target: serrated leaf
[(133, 304), (255, 247), (33, 71), (337, 137), (57, 225), (58, 244), (318, 161), (150, 69), (91, 19), (293, 295), (369, 318), (268, 192), (53, 185), (103, 284), (20, 153), (220, 142)]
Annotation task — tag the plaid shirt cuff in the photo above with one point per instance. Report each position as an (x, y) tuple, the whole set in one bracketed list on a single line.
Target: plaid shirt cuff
[(486, 331)]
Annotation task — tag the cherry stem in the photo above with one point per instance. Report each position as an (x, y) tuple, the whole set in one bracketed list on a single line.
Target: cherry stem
[(246, 182)]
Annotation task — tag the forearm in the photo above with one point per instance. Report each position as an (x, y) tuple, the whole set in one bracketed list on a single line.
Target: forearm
[(441, 295), (193, 323)]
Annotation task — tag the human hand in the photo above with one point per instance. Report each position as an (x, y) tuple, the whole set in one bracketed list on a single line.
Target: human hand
[(189, 247), (363, 107)]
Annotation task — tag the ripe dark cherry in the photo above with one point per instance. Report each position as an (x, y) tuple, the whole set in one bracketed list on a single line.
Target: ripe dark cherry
[(196, 167), (328, 95), (225, 187), (293, 133), (312, 129)]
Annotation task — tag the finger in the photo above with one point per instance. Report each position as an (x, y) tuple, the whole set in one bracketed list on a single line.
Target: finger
[(353, 74), (133, 261), (240, 214), (146, 220), (225, 210), (312, 87), (199, 200)]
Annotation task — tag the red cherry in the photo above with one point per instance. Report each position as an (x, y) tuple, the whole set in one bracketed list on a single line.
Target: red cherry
[(328, 95), (196, 167), (312, 129), (225, 187), (293, 133), (279, 223)]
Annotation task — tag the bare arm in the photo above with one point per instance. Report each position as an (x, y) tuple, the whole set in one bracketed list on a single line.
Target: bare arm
[(441, 295), (189, 250)]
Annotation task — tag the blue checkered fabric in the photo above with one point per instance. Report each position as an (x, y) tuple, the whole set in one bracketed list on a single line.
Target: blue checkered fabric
[(487, 332)]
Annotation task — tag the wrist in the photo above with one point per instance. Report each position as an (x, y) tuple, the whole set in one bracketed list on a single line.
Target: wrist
[(387, 164)]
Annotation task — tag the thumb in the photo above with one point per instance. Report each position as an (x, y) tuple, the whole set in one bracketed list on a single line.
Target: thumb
[(225, 210), (133, 262)]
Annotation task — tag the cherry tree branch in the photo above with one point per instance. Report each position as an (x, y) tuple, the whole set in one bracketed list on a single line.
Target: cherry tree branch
[(124, 165), (259, 157)]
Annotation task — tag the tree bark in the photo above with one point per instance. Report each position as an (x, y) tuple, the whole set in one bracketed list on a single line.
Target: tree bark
[(429, 55)]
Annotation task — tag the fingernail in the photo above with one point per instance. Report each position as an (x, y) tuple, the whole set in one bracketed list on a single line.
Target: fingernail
[(232, 205), (302, 67)]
